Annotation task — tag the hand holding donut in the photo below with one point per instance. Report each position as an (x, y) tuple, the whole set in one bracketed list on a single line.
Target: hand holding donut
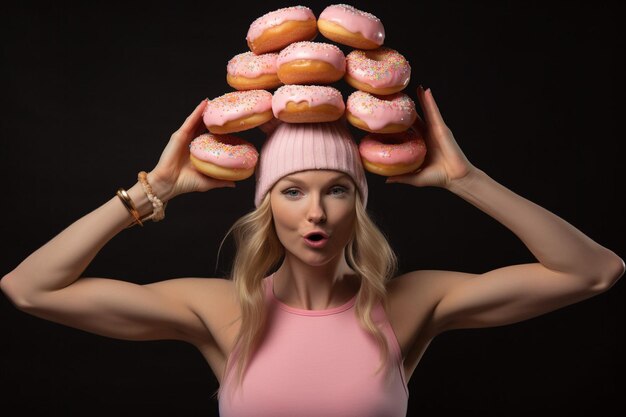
[(445, 161), (174, 174)]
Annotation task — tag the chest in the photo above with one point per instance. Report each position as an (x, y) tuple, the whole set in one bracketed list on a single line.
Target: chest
[(319, 365)]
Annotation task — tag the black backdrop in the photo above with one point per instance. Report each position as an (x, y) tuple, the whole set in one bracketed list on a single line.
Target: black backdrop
[(532, 92)]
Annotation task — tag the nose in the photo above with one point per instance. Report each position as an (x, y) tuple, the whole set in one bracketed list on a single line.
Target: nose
[(316, 213)]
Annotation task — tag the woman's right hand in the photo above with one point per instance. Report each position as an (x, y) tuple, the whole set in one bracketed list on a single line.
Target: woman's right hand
[(174, 174)]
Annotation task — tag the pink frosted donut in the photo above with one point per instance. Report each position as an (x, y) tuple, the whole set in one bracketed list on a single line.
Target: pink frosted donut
[(248, 71), (350, 26), (237, 111), (225, 157), (383, 114), (380, 71), (307, 103), (311, 63), (275, 30), (392, 154)]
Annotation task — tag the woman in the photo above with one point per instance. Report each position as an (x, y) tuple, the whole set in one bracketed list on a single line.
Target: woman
[(327, 332)]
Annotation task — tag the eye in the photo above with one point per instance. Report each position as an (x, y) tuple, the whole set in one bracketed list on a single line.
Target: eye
[(338, 190), (291, 193)]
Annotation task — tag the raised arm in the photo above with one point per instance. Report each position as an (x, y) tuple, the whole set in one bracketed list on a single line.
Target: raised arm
[(47, 284), (570, 267)]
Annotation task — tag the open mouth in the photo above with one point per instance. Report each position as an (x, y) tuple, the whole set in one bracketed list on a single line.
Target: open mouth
[(315, 237)]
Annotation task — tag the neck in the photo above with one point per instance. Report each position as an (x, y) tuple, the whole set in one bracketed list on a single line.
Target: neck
[(315, 287)]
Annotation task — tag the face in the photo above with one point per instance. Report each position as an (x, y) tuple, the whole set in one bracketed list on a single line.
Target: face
[(314, 214)]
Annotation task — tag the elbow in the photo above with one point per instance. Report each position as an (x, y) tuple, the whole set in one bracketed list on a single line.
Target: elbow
[(611, 271), (10, 288)]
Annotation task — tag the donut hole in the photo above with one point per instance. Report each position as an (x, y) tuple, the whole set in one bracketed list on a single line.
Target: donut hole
[(391, 140), (374, 55), (384, 97)]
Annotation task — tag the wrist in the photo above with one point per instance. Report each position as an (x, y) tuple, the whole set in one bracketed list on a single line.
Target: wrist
[(474, 175), (143, 199), (140, 200), (160, 187)]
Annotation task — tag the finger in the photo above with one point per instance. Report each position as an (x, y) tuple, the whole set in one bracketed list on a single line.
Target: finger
[(420, 99), (200, 129), (417, 178), (223, 184), (194, 121), (396, 179), (404, 178), (427, 120), (208, 183), (420, 126), (431, 110)]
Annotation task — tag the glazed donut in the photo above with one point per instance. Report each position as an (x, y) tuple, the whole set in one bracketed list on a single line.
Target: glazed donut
[(307, 103), (380, 114), (248, 71), (380, 71), (237, 111), (275, 30), (311, 63), (225, 157), (392, 154), (349, 26)]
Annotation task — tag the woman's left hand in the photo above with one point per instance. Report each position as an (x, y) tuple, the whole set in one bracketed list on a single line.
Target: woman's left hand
[(445, 162), (174, 174)]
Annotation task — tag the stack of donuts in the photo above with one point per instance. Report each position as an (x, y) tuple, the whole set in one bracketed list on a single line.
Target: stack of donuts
[(286, 76)]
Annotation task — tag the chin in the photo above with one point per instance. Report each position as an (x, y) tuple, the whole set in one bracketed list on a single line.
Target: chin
[(317, 261), (311, 258)]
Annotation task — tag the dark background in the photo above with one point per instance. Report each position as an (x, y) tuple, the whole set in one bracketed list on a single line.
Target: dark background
[(532, 91)]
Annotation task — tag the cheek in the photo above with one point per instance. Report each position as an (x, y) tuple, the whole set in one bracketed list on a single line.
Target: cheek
[(284, 221), (345, 223)]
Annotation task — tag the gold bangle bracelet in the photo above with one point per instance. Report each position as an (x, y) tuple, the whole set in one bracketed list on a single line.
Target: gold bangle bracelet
[(130, 206)]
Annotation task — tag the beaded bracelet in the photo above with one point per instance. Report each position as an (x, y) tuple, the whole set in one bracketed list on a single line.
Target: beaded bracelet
[(130, 206), (158, 208)]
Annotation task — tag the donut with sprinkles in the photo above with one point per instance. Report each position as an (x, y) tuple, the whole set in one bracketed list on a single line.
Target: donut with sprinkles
[(249, 71), (381, 71), (237, 111), (307, 103), (350, 26), (225, 157), (380, 114), (311, 63), (394, 153), (277, 29)]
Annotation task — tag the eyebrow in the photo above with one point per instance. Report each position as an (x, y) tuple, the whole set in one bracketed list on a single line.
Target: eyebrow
[(333, 179)]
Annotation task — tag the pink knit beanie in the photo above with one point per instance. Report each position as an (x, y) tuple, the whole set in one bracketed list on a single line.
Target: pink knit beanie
[(294, 147)]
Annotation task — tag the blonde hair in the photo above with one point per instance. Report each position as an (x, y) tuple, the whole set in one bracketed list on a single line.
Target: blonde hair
[(259, 251)]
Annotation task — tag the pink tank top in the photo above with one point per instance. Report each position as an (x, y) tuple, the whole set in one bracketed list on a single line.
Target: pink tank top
[(318, 363)]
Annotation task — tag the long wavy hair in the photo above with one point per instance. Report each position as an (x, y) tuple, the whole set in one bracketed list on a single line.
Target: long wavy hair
[(259, 251)]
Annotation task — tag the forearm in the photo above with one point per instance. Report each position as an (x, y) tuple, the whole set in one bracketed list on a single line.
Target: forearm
[(555, 243), (60, 261)]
